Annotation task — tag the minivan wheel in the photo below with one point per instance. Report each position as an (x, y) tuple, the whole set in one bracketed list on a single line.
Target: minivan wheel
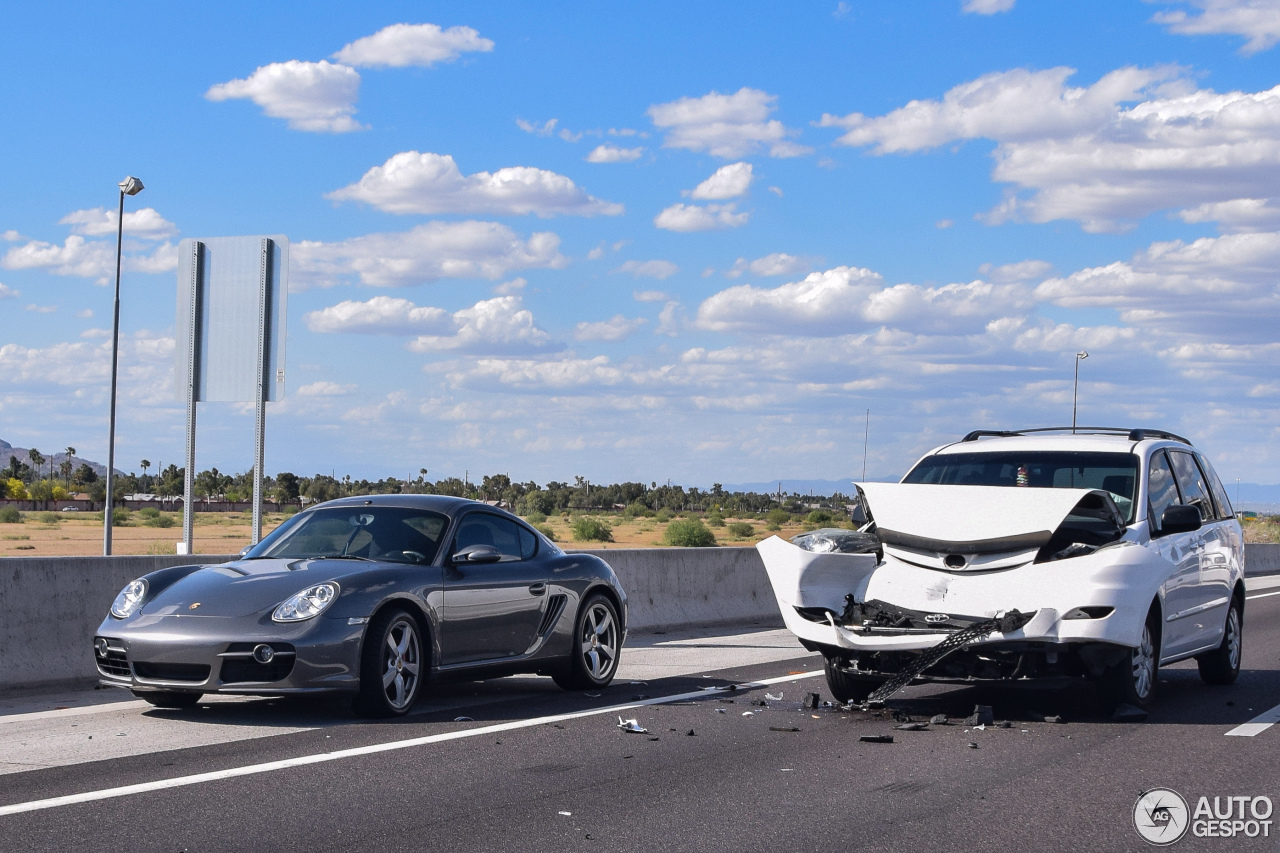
[(844, 687), (1132, 681), (1222, 665)]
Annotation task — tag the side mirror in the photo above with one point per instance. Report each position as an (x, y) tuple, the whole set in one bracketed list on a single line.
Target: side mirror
[(245, 550), (478, 554), (1180, 518)]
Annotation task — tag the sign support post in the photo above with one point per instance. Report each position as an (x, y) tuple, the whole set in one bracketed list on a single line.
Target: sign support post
[(193, 394), (264, 349)]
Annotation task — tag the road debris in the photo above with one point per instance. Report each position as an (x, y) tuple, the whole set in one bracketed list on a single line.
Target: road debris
[(463, 720), (632, 726), (720, 711), (690, 733), (913, 727), (981, 716), (773, 698), (592, 695), (748, 713), (876, 738), (1004, 724), (813, 701), (972, 745), (567, 814), (940, 720), (783, 729)]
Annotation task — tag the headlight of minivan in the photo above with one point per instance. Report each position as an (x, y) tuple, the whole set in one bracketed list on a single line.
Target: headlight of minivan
[(129, 599), (301, 606)]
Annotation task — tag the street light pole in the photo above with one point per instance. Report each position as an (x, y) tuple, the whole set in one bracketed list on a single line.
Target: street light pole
[(1075, 389), (129, 186)]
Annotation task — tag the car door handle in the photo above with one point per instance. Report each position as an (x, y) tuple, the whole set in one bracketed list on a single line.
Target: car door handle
[(538, 588)]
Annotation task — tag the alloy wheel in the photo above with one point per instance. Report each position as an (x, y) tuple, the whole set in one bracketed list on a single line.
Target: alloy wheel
[(402, 659), (599, 641), (1233, 638), (1144, 665)]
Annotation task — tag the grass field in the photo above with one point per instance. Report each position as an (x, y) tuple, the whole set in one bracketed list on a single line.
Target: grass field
[(65, 534)]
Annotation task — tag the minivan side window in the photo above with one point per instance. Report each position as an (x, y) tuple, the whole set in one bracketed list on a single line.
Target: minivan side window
[(1162, 490), (1219, 493), (1191, 482)]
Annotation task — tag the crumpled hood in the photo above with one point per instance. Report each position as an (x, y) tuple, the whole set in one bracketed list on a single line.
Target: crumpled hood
[(242, 587), (969, 518)]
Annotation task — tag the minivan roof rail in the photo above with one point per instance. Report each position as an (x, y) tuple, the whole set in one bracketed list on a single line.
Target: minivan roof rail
[(1139, 434)]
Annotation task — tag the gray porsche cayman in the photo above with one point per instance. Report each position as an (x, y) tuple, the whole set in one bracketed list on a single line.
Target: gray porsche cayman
[(370, 596)]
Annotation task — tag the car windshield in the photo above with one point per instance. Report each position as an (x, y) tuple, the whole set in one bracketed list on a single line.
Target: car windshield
[(1116, 473), (395, 534)]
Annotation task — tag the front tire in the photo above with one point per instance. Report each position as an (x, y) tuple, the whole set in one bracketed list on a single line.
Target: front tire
[(844, 687), (593, 657), (1132, 681), (1222, 665), (169, 699), (391, 665)]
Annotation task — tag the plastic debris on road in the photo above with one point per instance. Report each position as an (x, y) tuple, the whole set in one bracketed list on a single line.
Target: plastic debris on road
[(972, 745), (813, 701), (940, 720), (463, 720), (567, 814), (912, 727), (773, 698), (632, 726), (748, 713), (876, 738), (783, 729)]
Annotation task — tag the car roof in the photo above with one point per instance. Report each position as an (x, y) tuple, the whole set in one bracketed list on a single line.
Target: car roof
[(440, 503), (1087, 442)]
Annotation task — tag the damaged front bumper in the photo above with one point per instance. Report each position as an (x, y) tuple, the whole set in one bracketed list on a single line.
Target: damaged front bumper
[(877, 619)]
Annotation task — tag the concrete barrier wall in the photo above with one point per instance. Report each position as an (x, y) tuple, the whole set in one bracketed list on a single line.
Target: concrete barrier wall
[(50, 606)]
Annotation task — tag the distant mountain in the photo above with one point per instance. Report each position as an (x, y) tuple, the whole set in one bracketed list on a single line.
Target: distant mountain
[(7, 450)]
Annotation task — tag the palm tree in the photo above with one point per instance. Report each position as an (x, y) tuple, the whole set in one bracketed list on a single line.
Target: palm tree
[(37, 459), (144, 465), (66, 467)]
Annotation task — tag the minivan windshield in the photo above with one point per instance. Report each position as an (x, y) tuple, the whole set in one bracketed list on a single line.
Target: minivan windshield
[(1116, 473), (396, 534)]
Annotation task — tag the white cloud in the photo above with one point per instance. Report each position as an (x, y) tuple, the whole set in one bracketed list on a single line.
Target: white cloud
[(526, 374), (776, 191), (1241, 214), (779, 263), (498, 326), (986, 7), (7, 292), (728, 126), (671, 319), (1257, 20), (325, 388), (648, 296), (545, 129), (1020, 271), (42, 309), (616, 328), (613, 154), (94, 259), (847, 299), (429, 252), (401, 45), (313, 96), (510, 288), (693, 217), (85, 314), (11, 236), (99, 222), (381, 315), (728, 181), (943, 224), (413, 182), (658, 269), (1083, 156)]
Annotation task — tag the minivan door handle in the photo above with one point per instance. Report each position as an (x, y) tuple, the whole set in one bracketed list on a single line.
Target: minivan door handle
[(538, 588)]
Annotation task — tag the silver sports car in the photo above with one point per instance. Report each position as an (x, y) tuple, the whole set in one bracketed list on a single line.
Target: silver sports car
[(370, 596)]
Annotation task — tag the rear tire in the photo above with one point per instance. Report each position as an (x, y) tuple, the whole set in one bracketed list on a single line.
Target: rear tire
[(847, 688), (593, 655), (1222, 665), (392, 665), (167, 699), (1132, 681)]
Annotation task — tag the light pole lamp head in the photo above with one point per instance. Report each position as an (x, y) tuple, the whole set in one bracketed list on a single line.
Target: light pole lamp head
[(1082, 355), (131, 186)]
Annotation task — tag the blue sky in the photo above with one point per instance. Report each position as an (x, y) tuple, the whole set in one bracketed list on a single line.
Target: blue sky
[(656, 241)]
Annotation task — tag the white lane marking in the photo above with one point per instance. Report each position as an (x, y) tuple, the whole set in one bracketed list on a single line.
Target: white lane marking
[(303, 760), (1261, 595), (1258, 724), (126, 705)]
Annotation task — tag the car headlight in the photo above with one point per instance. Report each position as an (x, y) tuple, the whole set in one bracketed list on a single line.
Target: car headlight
[(301, 606), (129, 599)]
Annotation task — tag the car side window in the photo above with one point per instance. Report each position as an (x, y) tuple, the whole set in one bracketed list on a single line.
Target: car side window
[(1191, 482), (1219, 493), (1162, 490), (481, 528), (528, 543)]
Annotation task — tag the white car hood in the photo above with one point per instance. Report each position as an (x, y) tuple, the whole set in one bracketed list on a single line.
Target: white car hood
[(980, 518)]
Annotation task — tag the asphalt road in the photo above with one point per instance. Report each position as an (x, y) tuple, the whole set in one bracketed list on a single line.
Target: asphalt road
[(537, 769)]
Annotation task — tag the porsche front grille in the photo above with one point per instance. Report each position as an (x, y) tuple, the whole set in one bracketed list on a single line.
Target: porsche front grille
[(152, 671)]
